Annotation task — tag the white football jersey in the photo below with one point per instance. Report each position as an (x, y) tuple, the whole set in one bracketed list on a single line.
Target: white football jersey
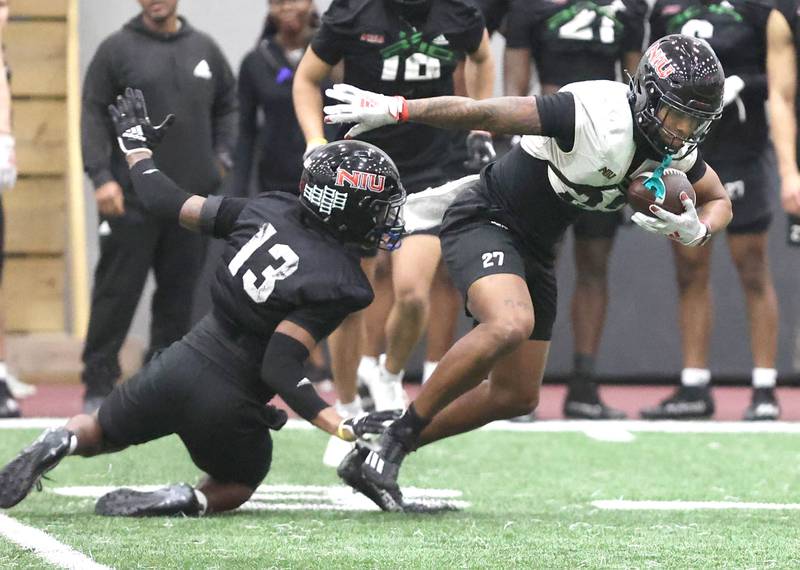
[(604, 147)]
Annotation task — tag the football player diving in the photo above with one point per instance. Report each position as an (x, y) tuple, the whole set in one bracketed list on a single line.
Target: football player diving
[(582, 146), (289, 275)]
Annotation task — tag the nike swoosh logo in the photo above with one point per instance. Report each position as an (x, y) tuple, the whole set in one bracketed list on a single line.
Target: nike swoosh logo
[(151, 171), (304, 382)]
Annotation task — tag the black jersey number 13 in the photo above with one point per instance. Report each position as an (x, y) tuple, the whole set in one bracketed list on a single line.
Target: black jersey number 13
[(270, 274)]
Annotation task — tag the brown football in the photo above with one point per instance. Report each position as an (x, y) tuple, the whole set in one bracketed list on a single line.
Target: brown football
[(675, 182)]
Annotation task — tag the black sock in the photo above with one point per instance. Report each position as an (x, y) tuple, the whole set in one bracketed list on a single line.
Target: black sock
[(408, 427)]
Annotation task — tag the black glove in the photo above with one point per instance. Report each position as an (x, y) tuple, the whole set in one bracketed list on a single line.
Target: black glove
[(480, 150), (366, 423), (135, 132)]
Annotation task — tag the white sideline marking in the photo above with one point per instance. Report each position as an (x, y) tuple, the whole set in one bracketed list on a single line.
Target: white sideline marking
[(45, 546), (622, 505), (544, 426), (301, 497)]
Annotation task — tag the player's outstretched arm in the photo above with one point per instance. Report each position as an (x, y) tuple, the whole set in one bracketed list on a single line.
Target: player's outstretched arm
[(282, 371), (503, 115)]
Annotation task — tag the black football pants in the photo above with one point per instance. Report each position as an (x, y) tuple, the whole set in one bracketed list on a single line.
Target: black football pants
[(136, 243)]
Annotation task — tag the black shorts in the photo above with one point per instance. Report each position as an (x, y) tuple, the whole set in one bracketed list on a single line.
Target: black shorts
[(224, 426), (750, 185), (476, 243), (597, 225)]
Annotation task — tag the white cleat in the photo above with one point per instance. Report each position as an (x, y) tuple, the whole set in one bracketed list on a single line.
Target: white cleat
[(387, 388), (336, 451), (18, 388)]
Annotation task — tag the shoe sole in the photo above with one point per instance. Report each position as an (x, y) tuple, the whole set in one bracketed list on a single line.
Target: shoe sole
[(17, 479), (130, 503)]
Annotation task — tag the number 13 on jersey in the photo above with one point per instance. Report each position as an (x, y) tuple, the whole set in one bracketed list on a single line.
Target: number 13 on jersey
[(270, 274)]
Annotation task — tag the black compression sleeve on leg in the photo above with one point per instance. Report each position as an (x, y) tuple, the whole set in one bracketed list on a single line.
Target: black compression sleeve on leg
[(158, 193), (282, 371)]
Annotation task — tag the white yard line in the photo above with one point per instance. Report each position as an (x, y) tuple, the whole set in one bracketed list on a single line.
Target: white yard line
[(45, 546), (623, 505), (545, 426)]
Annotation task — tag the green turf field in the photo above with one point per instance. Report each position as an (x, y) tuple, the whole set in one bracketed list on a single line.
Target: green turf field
[(530, 506)]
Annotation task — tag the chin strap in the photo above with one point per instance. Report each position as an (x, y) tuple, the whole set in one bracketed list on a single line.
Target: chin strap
[(655, 184)]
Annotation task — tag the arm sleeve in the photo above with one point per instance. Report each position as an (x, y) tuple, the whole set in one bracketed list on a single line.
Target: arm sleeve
[(328, 45), (99, 91), (557, 116), (245, 144), (282, 371), (520, 24), (225, 109), (157, 191), (219, 214), (633, 17)]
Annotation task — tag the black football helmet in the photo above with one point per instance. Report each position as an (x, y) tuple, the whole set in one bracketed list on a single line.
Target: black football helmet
[(676, 93), (354, 189)]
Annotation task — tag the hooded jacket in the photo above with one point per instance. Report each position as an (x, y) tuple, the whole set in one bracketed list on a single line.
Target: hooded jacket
[(184, 73)]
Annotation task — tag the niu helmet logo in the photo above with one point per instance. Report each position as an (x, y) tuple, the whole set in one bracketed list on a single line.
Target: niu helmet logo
[(660, 62), (361, 180)]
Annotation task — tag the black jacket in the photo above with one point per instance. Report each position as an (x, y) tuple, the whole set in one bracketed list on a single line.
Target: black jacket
[(183, 73), (268, 128)]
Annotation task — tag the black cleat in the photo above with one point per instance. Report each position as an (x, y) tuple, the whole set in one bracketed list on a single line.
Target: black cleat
[(687, 403), (382, 468), (763, 407), (9, 408), (349, 471), (173, 500), (583, 402), (18, 477)]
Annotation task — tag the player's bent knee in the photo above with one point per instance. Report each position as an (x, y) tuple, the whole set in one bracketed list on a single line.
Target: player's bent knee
[(509, 333), (692, 275), (411, 300), (513, 403)]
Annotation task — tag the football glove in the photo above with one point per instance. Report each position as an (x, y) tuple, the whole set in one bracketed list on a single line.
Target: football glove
[(733, 87), (368, 110), (8, 162), (685, 228), (135, 132), (480, 150), (366, 423)]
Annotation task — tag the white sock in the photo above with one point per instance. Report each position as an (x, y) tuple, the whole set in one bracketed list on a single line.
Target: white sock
[(3, 369), (697, 377), (389, 377), (202, 500), (73, 444), (367, 366), (350, 409), (764, 377), (427, 369)]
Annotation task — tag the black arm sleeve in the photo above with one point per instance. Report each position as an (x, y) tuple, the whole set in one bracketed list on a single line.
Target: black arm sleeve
[(99, 91), (282, 371), (158, 193), (557, 116), (698, 169), (219, 214)]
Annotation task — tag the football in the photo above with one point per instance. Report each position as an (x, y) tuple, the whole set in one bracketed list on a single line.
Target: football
[(640, 197)]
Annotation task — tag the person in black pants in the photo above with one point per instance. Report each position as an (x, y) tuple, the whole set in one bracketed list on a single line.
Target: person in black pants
[(269, 135), (179, 69)]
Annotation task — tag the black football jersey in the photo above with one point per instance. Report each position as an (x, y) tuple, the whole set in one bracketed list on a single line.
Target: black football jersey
[(384, 52), (736, 29), (576, 40), (276, 266)]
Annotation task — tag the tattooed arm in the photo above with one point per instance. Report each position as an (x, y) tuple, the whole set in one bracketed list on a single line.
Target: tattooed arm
[(502, 115), (511, 115)]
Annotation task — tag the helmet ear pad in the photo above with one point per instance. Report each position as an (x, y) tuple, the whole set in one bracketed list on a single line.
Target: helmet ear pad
[(681, 73), (353, 188)]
